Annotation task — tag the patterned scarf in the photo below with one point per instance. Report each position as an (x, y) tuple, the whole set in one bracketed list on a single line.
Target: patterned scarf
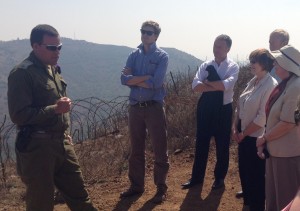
[(277, 91)]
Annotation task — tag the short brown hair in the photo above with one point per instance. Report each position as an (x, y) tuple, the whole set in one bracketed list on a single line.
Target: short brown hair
[(154, 25), (263, 57), (38, 32)]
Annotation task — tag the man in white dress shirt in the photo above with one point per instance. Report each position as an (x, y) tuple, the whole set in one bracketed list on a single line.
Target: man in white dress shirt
[(214, 117)]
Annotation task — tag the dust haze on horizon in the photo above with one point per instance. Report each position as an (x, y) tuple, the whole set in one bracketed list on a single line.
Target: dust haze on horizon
[(190, 26)]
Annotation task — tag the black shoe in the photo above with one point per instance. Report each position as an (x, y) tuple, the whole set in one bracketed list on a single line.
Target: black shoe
[(160, 196), (239, 194), (130, 192), (218, 183), (190, 184)]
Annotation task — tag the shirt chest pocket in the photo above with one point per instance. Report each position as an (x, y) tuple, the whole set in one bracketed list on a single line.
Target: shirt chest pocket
[(151, 67), (45, 93), (50, 85)]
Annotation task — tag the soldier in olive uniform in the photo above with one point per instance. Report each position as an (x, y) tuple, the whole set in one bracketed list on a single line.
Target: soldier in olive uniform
[(38, 105)]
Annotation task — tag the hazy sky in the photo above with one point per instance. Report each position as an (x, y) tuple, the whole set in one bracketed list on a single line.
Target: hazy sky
[(188, 25)]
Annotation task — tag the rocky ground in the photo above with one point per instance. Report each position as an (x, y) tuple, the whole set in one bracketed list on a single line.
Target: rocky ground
[(105, 196)]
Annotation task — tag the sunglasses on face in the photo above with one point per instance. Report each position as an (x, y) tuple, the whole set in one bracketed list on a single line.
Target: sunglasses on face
[(53, 47), (149, 33)]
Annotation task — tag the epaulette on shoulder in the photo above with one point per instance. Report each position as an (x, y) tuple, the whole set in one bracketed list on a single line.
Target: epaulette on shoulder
[(25, 64)]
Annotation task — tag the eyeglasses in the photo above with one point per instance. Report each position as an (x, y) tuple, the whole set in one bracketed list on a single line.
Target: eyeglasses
[(149, 33), (252, 61), (53, 47)]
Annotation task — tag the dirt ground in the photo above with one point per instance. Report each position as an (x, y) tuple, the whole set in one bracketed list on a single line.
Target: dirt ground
[(105, 196)]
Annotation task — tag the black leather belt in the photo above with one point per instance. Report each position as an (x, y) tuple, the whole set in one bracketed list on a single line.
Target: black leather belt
[(145, 103)]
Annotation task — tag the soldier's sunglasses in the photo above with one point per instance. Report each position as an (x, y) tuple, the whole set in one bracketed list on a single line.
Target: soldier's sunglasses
[(149, 33), (53, 47)]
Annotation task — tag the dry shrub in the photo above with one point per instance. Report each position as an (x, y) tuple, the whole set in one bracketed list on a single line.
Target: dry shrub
[(103, 157), (244, 77), (181, 105), (13, 193)]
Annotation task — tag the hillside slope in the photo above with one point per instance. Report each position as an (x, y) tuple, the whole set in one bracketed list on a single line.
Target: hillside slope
[(90, 69)]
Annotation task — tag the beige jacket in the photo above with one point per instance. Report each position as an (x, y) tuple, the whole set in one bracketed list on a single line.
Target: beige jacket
[(252, 103), (283, 109)]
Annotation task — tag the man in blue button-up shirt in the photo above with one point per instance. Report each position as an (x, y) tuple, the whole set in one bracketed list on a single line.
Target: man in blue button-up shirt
[(144, 74)]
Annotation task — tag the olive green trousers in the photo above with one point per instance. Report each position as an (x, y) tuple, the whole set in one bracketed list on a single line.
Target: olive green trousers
[(49, 162)]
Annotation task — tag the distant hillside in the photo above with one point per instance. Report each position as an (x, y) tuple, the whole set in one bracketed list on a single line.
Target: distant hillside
[(90, 69)]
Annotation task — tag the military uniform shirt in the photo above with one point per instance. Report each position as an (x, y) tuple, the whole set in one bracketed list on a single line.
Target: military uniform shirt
[(32, 95)]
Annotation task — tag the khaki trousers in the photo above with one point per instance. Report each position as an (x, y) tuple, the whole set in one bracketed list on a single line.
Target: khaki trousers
[(47, 163), (152, 119), (282, 181)]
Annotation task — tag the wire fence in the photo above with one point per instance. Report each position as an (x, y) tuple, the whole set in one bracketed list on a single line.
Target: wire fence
[(92, 117)]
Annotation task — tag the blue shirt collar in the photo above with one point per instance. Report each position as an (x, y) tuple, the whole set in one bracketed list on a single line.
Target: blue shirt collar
[(153, 47)]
